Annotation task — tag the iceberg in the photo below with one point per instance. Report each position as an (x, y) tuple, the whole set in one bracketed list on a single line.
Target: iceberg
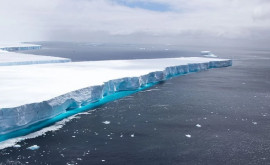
[(12, 58), (207, 54), (29, 97), (18, 46)]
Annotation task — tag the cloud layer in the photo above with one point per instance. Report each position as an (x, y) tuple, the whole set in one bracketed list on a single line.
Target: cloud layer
[(86, 19)]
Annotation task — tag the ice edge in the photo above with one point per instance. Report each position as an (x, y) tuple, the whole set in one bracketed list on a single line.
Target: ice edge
[(12, 119), (19, 47)]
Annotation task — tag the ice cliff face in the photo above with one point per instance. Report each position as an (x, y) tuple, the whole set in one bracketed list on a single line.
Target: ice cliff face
[(22, 116), (18, 47)]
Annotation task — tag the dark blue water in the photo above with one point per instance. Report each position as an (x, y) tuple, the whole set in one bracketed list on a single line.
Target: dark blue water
[(109, 51), (232, 106)]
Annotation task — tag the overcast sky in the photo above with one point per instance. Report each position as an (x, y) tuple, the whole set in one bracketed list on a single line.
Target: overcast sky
[(89, 20)]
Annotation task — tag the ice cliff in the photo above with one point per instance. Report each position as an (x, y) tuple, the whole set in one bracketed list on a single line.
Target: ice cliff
[(21, 116), (18, 46)]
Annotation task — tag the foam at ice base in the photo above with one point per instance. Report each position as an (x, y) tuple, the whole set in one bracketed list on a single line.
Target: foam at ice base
[(28, 96)]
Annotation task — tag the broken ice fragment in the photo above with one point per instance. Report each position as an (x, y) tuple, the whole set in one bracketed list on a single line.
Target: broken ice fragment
[(33, 147), (188, 135), (106, 122)]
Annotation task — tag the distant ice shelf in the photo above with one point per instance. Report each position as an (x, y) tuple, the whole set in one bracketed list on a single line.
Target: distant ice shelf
[(33, 93), (14, 58), (18, 46)]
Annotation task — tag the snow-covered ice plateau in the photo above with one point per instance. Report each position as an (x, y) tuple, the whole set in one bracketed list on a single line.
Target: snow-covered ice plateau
[(13, 58), (33, 93)]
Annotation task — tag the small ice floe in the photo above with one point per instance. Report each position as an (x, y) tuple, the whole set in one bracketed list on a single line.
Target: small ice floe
[(33, 147), (17, 146), (188, 135), (198, 125), (254, 122), (103, 160), (106, 122), (73, 136), (208, 54), (121, 135), (132, 135)]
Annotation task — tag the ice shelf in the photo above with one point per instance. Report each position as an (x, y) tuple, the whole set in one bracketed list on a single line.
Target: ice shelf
[(18, 46), (12, 58), (33, 93)]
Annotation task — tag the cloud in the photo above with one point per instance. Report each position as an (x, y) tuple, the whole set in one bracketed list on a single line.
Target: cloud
[(82, 19)]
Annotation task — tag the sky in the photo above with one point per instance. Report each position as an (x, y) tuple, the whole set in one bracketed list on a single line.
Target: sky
[(162, 21)]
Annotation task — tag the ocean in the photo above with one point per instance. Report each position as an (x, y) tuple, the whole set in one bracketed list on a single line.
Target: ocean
[(219, 116)]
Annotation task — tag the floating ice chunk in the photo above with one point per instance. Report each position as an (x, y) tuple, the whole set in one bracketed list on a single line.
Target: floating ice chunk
[(132, 135), (198, 125), (106, 122), (188, 135), (207, 54), (17, 146), (34, 147), (254, 122)]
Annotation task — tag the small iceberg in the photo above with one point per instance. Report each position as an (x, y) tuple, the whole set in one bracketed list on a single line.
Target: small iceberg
[(188, 135), (106, 122), (34, 147), (208, 54), (17, 146)]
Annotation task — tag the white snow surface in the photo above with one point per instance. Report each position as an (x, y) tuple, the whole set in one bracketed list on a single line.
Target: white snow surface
[(12, 58), (31, 93)]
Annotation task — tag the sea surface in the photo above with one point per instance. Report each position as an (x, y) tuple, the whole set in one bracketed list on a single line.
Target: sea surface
[(219, 116)]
